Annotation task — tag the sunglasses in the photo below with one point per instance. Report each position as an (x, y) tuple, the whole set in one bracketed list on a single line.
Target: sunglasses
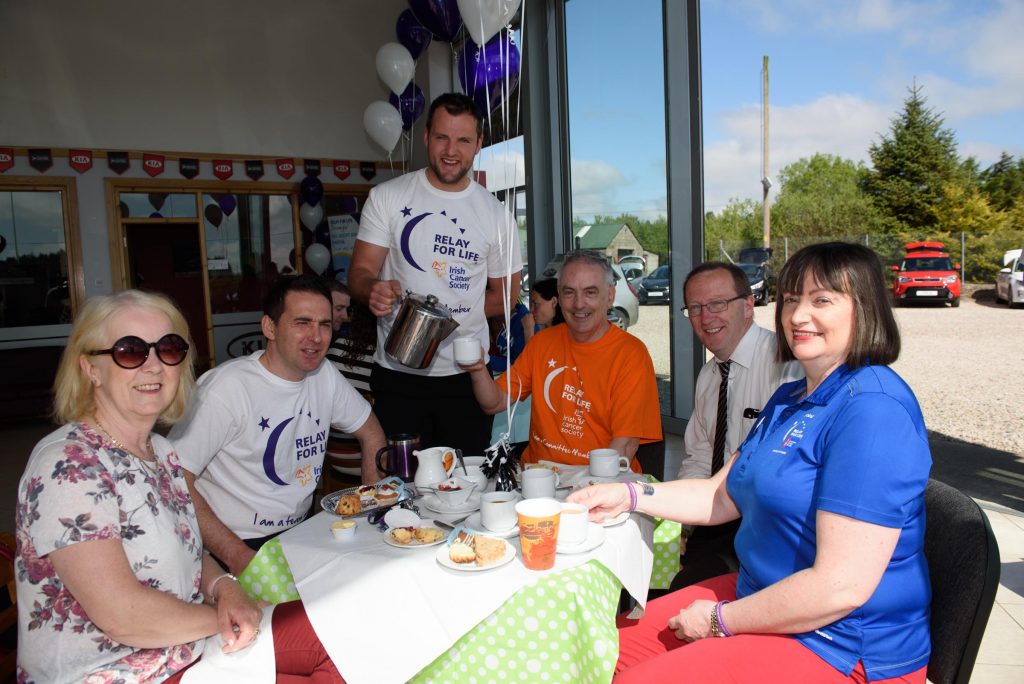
[(131, 352)]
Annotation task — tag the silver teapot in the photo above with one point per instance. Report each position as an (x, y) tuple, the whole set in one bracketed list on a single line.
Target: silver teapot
[(420, 326)]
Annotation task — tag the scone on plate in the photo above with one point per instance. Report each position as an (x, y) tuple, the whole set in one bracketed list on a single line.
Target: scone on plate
[(386, 494), (348, 505), (461, 553), (427, 535), (488, 550), (402, 535)]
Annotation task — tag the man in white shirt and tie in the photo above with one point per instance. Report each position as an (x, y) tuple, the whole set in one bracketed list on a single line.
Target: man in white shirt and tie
[(734, 385)]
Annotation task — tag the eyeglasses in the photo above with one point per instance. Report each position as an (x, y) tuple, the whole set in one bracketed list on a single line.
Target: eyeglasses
[(131, 352), (717, 306)]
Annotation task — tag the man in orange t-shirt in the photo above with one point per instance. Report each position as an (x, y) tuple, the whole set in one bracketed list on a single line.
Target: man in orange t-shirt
[(594, 384)]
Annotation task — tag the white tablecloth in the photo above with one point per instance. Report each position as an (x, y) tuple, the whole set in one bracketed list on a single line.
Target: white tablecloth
[(375, 606)]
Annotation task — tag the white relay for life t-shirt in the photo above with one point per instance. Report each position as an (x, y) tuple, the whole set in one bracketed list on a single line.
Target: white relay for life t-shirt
[(256, 441), (442, 243)]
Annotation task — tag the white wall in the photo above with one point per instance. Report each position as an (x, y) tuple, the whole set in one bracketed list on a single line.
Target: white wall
[(242, 77)]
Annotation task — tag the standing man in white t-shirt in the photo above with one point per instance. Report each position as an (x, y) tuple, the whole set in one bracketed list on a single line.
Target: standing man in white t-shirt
[(436, 231), (254, 439)]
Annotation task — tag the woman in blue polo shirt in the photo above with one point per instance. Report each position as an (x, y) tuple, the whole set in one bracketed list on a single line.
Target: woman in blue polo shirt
[(833, 582)]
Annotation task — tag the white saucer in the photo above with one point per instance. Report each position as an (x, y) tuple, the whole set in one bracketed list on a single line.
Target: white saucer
[(475, 522), (616, 521), (595, 537), (432, 503), (443, 559)]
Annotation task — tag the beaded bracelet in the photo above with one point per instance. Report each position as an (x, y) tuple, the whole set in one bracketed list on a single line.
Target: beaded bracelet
[(718, 615), (632, 496)]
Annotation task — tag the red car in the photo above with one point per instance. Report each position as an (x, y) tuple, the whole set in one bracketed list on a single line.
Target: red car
[(926, 275)]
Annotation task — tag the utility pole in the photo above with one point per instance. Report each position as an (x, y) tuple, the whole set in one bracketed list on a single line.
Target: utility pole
[(766, 182)]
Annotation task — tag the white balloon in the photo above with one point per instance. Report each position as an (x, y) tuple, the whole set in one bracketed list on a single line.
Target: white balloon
[(383, 124), (311, 215), (395, 66), (318, 256), (484, 18)]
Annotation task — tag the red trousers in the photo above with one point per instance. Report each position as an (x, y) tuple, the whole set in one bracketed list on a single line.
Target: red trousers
[(300, 655), (649, 651)]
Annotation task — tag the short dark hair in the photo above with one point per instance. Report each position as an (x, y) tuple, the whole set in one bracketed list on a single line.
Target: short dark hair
[(739, 278), (547, 288), (337, 286), (273, 302), (855, 271), (456, 104)]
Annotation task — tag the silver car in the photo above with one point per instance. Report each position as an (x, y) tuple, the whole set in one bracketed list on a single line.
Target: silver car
[(625, 309)]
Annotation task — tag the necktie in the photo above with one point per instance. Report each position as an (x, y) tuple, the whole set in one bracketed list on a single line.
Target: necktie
[(722, 421)]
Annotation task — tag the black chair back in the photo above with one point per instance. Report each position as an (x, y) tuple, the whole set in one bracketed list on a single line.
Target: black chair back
[(963, 564), (652, 459)]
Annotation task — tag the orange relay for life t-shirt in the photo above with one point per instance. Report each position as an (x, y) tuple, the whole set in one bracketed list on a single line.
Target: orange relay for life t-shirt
[(585, 394)]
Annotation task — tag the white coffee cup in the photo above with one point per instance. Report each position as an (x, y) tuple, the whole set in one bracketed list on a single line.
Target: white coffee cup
[(498, 510), (573, 525), (467, 350), (538, 482), (607, 463)]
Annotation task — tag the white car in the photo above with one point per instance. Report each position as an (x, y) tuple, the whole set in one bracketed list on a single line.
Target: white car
[(1010, 281)]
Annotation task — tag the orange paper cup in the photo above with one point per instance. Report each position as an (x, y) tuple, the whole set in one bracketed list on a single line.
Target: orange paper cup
[(538, 532)]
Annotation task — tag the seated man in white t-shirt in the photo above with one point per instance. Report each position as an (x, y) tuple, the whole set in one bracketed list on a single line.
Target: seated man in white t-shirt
[(254, 439)]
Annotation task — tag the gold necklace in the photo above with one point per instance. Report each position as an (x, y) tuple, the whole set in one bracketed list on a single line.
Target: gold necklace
[(148, 464)]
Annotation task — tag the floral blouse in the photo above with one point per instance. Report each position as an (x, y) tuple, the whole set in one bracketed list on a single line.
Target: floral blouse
[(79, 487)]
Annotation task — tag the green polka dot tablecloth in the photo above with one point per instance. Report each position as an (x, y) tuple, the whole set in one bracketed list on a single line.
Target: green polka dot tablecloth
[(268, 577), (666, 553), (560, 628)]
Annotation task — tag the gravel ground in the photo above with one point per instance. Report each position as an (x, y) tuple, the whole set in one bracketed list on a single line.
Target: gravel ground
[(964, 365)]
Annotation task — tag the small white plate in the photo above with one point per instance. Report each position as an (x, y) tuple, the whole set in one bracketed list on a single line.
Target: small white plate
[(432, 503), (401, 517), (416, 544), (595, 537), (443, 559), (616, 521), (474, 522)]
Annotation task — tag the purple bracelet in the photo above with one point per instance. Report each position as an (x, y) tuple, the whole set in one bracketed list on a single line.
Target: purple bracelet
[(721, 623), (632, 496)]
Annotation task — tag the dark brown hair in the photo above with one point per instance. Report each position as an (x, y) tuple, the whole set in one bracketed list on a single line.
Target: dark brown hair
[(456, 104), (273, 303), (855, 271), (739, 278)]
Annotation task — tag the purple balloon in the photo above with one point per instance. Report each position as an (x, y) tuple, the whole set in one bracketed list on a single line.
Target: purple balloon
[(412, 34), (227, 203), (440, 17), (311, 190), (156, 214), (409, 105), (483, 71)]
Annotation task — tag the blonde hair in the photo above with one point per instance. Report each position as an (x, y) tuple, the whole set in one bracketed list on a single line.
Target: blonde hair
[(72, 390)]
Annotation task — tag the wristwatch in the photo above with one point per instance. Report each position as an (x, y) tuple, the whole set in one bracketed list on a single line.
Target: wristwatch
[(716, 628)]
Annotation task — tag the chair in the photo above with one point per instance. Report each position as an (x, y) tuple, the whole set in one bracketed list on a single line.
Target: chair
[(963, 565), (9, 612), (652, 459)]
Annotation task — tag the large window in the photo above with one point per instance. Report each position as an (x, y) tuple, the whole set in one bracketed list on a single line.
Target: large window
[(37, 287)]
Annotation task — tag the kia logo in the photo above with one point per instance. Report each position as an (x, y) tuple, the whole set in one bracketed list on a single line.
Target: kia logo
[(78, 159), (223, 167), (5, 157), (153, 163), (246, 344), (287, 167)]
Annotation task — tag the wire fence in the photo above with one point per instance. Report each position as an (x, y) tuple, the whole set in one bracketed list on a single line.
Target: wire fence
[(979, 255)]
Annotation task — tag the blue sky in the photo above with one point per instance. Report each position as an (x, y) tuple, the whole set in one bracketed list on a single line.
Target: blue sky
[(839, 72)]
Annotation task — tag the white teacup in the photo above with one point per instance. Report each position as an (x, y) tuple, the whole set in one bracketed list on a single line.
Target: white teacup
[(467, 350), (498, 510), (573, 525), (538, 482), (607, 463), (473, 474)]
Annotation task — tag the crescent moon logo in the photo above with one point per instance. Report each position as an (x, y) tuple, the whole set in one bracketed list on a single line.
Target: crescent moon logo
[(406, 234), (547, 385), (268, 455)]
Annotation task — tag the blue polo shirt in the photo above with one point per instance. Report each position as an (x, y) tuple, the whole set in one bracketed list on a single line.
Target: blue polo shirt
[(856, 447)]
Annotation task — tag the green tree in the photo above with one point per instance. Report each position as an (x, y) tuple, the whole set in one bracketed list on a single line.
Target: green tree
[(738, 224), (1003, 183), (821, 197), (912, 166)]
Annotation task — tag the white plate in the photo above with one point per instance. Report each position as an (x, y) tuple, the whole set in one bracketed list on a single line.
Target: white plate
[(401, 517), (617, 520), (432, 503), (474, 522), (443, 559), (595, 537), (415, 544)]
